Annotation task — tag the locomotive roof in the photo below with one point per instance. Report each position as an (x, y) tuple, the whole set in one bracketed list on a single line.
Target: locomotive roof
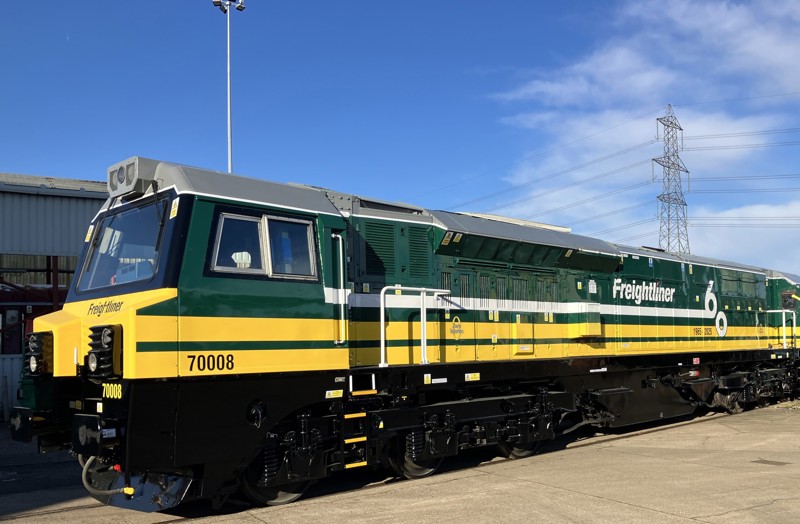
[(487, 227), (207, 182), (688, 258), (188, 179), (792, 278), (243, 188)]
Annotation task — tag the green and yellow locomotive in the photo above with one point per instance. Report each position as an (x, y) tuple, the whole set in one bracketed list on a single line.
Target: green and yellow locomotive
[(225, 333)]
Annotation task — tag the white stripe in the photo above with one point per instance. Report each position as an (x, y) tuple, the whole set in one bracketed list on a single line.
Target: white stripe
[(411, 301)]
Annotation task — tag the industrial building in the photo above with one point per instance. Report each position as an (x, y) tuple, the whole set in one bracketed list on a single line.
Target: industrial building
[(43, 223)]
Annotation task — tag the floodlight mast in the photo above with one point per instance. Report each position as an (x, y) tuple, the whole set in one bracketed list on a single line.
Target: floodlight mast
[(225, 7)]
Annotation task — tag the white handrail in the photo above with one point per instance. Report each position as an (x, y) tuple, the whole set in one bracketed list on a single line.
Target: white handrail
[(423, 314), (342, 296), (783, 323)]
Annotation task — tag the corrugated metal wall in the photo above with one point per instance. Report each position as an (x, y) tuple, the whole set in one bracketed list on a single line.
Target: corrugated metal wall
[(44, 224), (10, 372)]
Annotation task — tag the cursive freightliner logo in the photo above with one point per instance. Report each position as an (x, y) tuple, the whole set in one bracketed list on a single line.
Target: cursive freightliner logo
[(109, 306), (650, 291)]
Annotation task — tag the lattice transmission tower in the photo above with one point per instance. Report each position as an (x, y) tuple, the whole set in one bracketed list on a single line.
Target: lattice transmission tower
[(673, 233)]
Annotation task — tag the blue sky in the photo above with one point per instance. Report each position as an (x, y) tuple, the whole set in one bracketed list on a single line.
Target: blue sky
[(537, 110)]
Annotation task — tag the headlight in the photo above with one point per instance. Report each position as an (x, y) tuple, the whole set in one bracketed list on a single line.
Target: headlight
[(92, 362), (38, 357), (104, 359)]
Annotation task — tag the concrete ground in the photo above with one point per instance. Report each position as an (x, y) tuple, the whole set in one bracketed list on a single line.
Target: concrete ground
[(715, 469)]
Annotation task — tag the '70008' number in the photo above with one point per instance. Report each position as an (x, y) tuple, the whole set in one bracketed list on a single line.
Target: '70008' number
[(210, 362)]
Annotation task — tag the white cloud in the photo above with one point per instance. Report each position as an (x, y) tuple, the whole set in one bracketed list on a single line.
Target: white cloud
[(739, 39), (732, 235), (611, 75), (584, 116)]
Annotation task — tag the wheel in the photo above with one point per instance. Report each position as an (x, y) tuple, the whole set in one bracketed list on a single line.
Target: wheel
[(274, 496), (731, 402), (406, 468), (514, 451), (270, 496), (735, 407)]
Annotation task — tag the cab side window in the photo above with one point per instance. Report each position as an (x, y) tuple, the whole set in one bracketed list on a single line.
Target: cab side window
[(271, 246), (238, 246), (291, 248)]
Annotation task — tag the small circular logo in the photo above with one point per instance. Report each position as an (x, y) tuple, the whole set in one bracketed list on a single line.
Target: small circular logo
[(455, 328)]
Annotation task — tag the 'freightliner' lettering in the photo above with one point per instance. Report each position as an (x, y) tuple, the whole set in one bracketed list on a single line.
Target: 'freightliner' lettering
[(108, 306), (649, 291)]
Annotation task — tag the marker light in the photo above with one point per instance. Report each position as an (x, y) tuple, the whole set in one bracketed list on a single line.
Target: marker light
[(106, 338)]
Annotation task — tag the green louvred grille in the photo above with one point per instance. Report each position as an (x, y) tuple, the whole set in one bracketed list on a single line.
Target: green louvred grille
[(380, 255), (419, 252)]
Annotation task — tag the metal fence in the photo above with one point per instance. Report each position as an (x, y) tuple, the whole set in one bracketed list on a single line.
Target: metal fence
[(10, 371)]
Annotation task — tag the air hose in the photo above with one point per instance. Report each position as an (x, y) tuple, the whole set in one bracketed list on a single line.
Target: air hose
[(99, 492)]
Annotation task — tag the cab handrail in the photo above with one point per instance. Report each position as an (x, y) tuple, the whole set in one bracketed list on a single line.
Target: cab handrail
[(423, 314)]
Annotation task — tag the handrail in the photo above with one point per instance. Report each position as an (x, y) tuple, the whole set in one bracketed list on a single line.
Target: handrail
[(783, 323), (342, 296), (423, 314)]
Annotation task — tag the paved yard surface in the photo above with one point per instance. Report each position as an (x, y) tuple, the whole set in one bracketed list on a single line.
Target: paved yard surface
[(715, 469)]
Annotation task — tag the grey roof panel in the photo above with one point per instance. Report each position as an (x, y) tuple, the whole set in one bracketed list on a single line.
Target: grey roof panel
[(792, 278), (243, 188), (543, 236), (223, 185), (689, 258)]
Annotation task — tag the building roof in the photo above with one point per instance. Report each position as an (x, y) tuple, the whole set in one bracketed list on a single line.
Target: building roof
[(49, 215), (39, 185)]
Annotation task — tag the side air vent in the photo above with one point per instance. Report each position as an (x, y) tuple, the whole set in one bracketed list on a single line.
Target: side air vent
[(380, 248), (419, 252)]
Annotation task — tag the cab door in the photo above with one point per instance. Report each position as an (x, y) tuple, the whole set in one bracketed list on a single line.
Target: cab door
[(521, 318), (459, 328)]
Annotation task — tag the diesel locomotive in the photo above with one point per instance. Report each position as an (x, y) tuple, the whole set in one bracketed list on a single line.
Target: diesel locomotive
[(225, 334)]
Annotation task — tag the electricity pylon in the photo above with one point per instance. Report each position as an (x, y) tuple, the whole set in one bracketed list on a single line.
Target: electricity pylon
[(673, 233)]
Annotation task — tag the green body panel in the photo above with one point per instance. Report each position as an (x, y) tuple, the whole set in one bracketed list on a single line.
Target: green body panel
[(207, 294), (538, 286)]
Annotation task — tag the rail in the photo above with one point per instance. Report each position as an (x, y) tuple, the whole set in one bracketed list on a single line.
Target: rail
[(423, 315)]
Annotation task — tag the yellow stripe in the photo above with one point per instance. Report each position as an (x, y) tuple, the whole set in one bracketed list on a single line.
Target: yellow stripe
[(355, 415), (257, 361), (159, 364), (220, 329), (364, 392), (355, 465), (156, 329), (354, 440)]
